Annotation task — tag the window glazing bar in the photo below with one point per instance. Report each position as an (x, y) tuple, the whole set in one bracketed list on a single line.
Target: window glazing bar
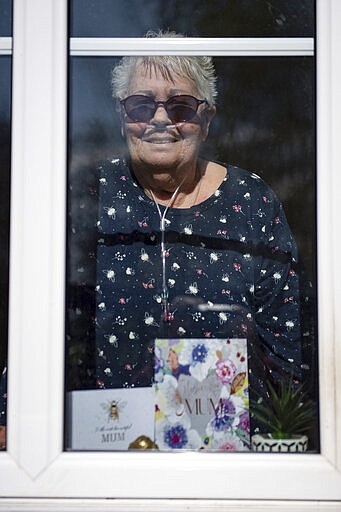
[(107, 46)]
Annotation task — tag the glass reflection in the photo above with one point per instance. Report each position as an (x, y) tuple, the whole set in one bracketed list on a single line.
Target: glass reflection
[(191, 257), (218, 18)]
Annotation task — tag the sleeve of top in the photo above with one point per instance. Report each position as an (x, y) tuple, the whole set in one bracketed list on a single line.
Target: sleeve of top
[(277, 294)]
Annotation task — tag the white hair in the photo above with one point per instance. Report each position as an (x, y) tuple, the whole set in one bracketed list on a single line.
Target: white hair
[(197, 69)]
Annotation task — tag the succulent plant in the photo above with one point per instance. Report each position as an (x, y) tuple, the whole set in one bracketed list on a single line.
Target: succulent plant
[(288, 410)]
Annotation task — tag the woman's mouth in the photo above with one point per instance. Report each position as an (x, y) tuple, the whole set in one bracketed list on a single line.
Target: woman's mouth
[(157, 137), (159, 140)]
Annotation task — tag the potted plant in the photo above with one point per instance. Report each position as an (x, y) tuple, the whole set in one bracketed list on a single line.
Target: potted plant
[(287, 414)]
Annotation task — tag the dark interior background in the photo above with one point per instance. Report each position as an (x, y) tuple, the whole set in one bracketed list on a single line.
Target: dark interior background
[(195, 18)]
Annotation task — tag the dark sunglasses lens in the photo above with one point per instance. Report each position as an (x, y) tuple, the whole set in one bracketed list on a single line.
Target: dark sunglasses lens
[(140, 108), (182, 108)]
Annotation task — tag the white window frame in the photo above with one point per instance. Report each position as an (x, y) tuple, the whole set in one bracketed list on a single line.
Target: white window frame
[(35, 472)]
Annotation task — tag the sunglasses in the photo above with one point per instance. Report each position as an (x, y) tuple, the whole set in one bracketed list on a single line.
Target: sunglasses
[(179, 108)]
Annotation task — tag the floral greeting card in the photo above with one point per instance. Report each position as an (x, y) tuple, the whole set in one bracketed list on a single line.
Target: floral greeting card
[(202, 399)]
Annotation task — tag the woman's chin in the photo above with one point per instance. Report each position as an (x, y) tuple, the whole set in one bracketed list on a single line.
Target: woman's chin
[(162, 160)]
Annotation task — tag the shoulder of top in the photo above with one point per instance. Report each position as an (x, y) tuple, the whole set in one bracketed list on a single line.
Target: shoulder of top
[(112, 168), (239, 172), (114, 162), (240, 176)]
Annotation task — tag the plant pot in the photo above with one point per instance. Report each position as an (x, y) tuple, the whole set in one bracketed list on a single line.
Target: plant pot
[(267, 443)]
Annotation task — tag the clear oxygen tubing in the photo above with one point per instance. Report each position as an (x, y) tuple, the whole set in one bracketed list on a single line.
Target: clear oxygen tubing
[(166, 315)]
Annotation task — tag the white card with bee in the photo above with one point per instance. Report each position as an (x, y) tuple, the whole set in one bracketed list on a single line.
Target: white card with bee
[(110, 419)]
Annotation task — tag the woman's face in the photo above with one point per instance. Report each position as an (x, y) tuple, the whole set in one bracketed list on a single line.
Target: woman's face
[(157, 150)]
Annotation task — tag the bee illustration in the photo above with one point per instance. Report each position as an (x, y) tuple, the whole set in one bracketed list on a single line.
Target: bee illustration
[(113, 408)]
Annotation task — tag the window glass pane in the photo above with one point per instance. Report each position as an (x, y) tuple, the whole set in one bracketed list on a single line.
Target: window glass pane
[(5, 152), (218, 18), (230, 266), (5, 18)]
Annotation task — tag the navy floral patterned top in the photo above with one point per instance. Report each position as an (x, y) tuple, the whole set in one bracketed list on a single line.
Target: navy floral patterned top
[(230, 270)]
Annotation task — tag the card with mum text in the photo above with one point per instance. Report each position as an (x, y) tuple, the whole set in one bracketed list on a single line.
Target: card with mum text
[(201, 394), (110, 419)]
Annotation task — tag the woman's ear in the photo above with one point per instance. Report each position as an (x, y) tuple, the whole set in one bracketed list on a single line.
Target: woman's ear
[(206, 118)]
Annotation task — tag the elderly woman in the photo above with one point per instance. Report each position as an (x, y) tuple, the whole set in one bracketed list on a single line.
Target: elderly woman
[(188, 247)]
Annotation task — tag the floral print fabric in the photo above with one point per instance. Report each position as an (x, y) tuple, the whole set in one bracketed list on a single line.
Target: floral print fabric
[(230, 271)]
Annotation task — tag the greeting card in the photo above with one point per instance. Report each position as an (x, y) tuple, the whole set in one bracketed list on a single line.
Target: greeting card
[(202, 399), (110, 419)]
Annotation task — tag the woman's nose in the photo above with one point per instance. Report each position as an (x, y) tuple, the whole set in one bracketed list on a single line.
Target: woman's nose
[(160, 116)]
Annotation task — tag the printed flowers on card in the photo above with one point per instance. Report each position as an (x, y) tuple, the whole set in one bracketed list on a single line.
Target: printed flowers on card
[(202, 394), (199, 356), (175, 433)]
